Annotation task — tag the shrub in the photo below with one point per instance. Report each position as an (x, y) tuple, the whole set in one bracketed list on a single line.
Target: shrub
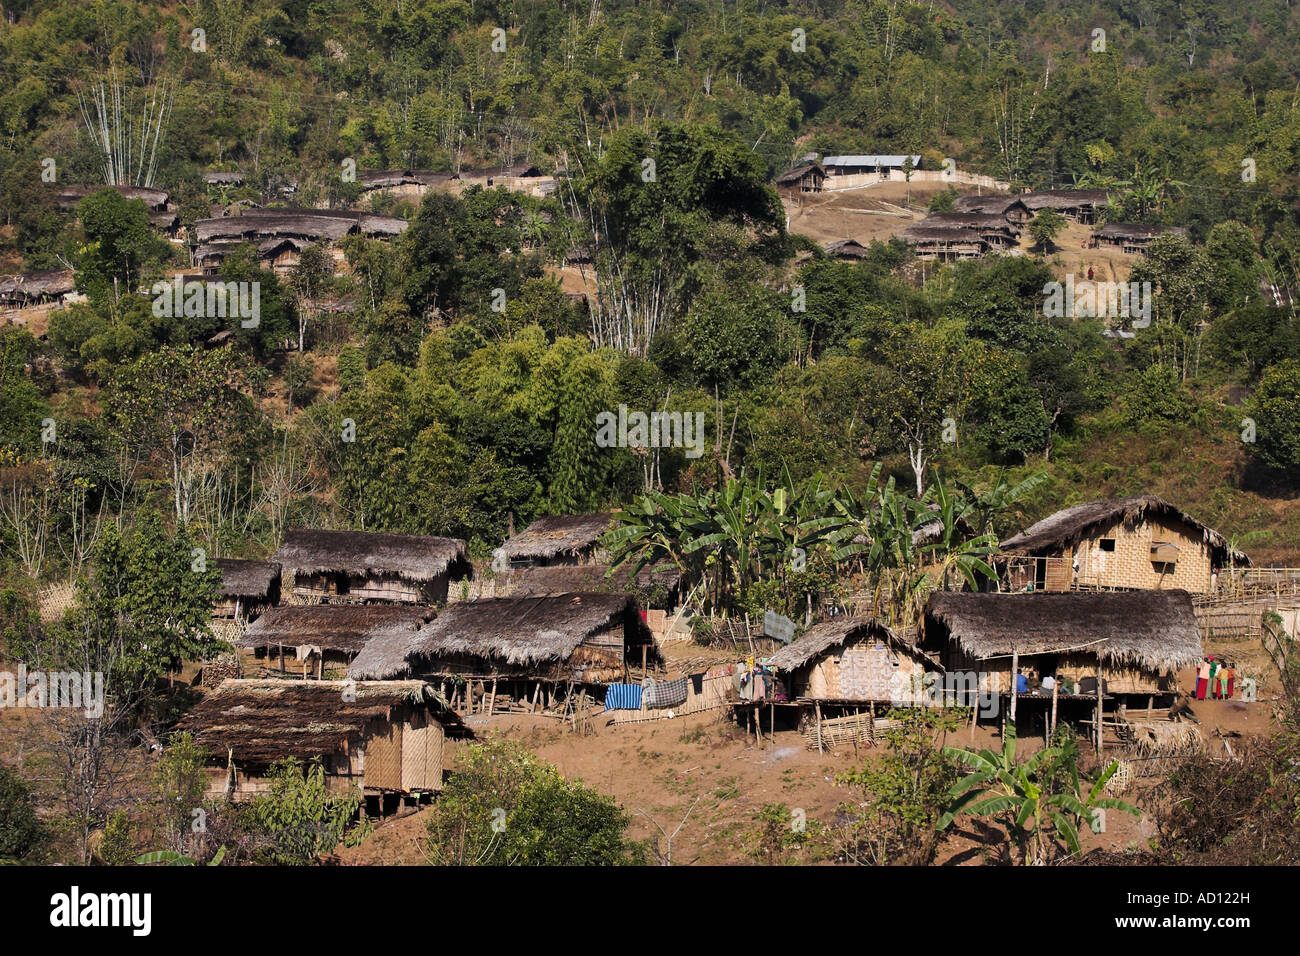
[(20, 831)]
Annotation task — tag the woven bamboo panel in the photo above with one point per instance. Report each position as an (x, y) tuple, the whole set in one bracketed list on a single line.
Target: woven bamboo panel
[(422, 742), (384, 758)]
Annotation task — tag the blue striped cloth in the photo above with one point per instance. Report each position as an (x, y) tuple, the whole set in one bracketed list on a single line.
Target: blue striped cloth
[(623, 697)]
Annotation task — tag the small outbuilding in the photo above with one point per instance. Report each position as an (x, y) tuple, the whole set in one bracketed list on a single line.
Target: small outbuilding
[(247, 589), (387, 738), (558, 540), (370, 566), (325, 637)]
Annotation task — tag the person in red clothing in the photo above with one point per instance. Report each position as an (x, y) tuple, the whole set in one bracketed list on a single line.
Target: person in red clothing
[(1089, 273), (1202, 678)]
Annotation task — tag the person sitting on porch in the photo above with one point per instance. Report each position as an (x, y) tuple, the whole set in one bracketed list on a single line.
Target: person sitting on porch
[(1049, 682), (1022, 683)]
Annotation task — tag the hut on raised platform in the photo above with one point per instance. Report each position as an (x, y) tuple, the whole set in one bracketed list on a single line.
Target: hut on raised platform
[(655, 588), (1118, 543), (851, 660), (518, 645), (558, 540), (324, 637), (388, 738), (247, 589), (360, 566), (1107, 649)]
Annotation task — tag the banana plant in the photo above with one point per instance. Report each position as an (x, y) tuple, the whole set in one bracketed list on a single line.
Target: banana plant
[(1046, 790)]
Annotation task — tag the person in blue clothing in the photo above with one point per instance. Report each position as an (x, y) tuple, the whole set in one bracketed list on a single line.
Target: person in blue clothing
[(1022, 683)]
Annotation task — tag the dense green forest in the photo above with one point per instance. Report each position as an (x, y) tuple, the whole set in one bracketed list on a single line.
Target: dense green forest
[(443, 407)]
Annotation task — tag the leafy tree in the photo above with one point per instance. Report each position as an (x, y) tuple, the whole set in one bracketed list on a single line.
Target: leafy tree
[(299, 817), (1275, 406), (120, 247), (1045, 227), (21, 833)]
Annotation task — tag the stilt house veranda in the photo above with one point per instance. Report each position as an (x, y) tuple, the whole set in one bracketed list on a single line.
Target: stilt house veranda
[(321, 638), (1134, 641), (363, 566), (384, 737)]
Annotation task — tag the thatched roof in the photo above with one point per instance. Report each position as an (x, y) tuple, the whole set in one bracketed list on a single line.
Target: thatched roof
[(1155, 630), (223, 179), (557, 535), (575, 579), (244, 579), (795, 174), (987, 204), (69, 196), (514, 630), (411, 557), (1064, 199), (1135, 230), (258, 722), (380, 178), (31, 285), (1070, 525), (311, 224), (333, 627), (949, 234), (983, 222), (847, 248), (821, 638)]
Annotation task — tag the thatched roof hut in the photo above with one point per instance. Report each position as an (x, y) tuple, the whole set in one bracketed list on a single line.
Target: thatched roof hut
[(1081, 204), (383, 736), (247, 587), (850, 659), (46, 285), (845, 249), (1069, 526), (344, 629), (365, 565), (1010, 208), (249, 579), (70, 196), (557, 539), (1131, 635), (580, 578), (806, 176), (581, 637)]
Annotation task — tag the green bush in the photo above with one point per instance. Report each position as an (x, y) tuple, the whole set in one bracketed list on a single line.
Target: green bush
[(20, 831)]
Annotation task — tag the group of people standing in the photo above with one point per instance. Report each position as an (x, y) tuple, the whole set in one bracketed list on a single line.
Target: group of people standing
[(1215, 679)]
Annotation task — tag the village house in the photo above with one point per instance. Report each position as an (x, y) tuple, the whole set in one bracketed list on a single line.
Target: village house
[(408, 184), (658, 588), (944, 243), (857, 165), (164, 217), (26, 296), (1010, 208), (223, 179), (535, 651), (1131, 237), (557, 540), (1080, 205), (280, 235), (1117, 543), (323, 638), (1117, 651), (369, 566), (806, 177), (387, 738), (834, 679), (247, 589), (845, 249), (995, 230)]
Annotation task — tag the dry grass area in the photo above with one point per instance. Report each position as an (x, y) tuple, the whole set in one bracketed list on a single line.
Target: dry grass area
[(658, 770)]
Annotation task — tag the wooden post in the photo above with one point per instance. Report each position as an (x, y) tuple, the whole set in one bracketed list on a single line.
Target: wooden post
[(1099, 732), (492, 704), (1015, 681), (819, 726), (1055, 689)]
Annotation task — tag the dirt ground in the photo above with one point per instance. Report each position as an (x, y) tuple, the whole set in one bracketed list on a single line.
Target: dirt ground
[(656, 771)]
